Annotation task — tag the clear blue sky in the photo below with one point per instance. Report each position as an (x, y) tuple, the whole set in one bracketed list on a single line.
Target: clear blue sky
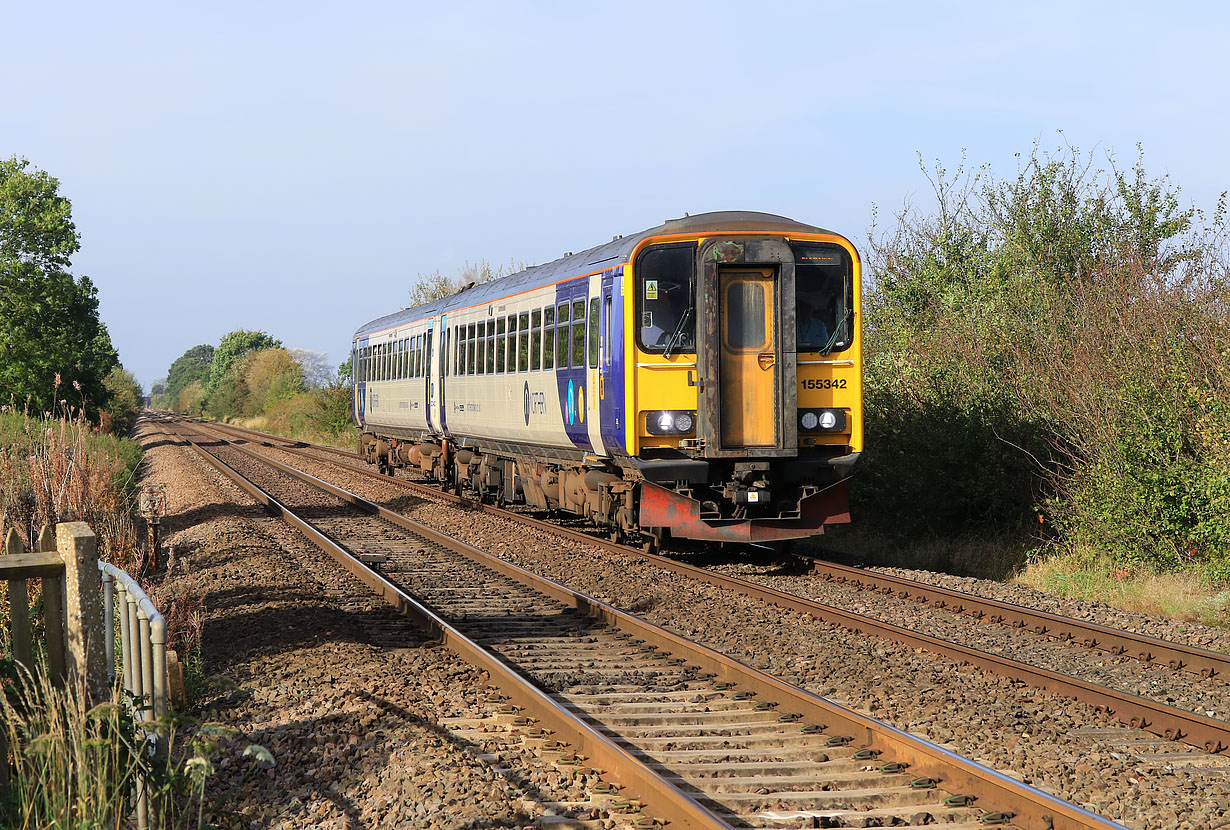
[(311, 159)]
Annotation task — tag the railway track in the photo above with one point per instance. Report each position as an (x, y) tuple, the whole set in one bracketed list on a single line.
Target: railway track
[(1134, 711), (690, 736)]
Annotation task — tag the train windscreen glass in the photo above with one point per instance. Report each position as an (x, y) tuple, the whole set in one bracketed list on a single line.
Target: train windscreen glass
[(822, 297), (664, 295)]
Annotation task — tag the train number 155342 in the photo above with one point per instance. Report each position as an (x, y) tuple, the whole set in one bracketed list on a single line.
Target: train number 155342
[(824, 383)]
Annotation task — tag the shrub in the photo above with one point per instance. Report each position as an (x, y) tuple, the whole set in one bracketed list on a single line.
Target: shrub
[(271, 375), (1053, 345)]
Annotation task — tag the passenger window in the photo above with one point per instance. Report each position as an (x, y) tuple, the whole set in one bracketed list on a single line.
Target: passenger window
[(490, 346), (499, 346), (470, 365), (664, 286), (578, 334), (593, 333), (536, 340), (548, 338), (523, 342), (561, 351), (607, 343), (745, 315), (512, 343), (822, 280)]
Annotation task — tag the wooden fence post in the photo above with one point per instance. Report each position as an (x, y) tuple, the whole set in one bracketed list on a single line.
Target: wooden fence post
[(53, 612), (19, 608), (78, 547)]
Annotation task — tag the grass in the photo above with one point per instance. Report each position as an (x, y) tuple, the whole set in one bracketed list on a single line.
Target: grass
[(77, 766), (984, 557), (1182, 595)]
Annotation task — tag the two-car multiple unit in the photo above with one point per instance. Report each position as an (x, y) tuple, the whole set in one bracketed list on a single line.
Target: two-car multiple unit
[(700, 379)]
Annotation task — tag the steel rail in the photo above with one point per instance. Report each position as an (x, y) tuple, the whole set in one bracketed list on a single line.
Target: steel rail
[(1210, 734), (1142, 647), (668, 802), (1029, 808)]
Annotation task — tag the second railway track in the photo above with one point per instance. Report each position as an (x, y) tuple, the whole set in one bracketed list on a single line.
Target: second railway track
[(679, 725), (1098, 685)]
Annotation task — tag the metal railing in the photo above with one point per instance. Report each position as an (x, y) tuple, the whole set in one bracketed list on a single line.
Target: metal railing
[(143, 659), (143, 642)]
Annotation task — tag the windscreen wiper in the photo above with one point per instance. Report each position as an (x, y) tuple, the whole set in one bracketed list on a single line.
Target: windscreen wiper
[(677, 334), (682, 325)]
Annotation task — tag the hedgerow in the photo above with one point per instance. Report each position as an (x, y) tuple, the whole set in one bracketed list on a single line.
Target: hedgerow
[(1048, 353)]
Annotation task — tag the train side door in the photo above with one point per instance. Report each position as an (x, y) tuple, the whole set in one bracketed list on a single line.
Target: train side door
[(428, 377), (611, 361), (748, 369), (593, 362)]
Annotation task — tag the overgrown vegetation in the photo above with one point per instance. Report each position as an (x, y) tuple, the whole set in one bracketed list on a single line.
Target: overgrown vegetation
[(1048, 354), (78, 766), (74, 766)]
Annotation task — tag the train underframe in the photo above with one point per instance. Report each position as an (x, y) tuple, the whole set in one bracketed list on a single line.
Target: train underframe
[(763, 501)]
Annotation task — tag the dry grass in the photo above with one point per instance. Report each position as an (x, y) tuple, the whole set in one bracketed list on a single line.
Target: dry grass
[(986, 558), (1182, 595), (1083, 574)]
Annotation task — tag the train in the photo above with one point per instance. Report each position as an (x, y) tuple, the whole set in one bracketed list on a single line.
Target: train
[(700, 380)]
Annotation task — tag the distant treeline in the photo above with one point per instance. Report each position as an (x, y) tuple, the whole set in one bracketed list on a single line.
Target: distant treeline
[(249, 375)]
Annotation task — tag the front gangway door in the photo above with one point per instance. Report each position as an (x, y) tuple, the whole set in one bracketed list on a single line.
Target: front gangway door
[(748, 357)]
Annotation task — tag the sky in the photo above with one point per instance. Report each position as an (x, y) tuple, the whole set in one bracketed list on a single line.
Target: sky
[(293, 167)]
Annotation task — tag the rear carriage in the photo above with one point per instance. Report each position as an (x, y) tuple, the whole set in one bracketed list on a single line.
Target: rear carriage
[(701, 379)]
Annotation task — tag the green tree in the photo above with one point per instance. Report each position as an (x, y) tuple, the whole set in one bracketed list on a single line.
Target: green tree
[(49, 324), (125, 404), (234, 346), (192, 365)]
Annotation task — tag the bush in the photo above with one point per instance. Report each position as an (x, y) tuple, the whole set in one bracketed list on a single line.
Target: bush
[(1052, 345), (121, 413), (270, 375)]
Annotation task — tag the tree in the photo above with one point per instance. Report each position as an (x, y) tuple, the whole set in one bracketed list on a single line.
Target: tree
[(50, 332), (234, 346), (125, 405), (191, 366), (436, 286), (271, 375), (317, 371)]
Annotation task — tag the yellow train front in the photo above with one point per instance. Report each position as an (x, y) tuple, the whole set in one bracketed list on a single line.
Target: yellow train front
[(747, 378), (698, 380)]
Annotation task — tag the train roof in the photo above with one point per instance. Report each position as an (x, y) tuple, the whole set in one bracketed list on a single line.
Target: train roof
[(597, 258)]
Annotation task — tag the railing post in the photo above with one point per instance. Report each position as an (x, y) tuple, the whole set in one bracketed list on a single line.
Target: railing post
[(53, 612), (19, 607), (158, 642), (125, 652), (108, 586), (78, 547), (147, 667), (134, 648)]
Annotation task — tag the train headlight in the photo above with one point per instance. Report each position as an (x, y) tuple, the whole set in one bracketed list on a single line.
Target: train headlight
[(670, 422), (822, 420)]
